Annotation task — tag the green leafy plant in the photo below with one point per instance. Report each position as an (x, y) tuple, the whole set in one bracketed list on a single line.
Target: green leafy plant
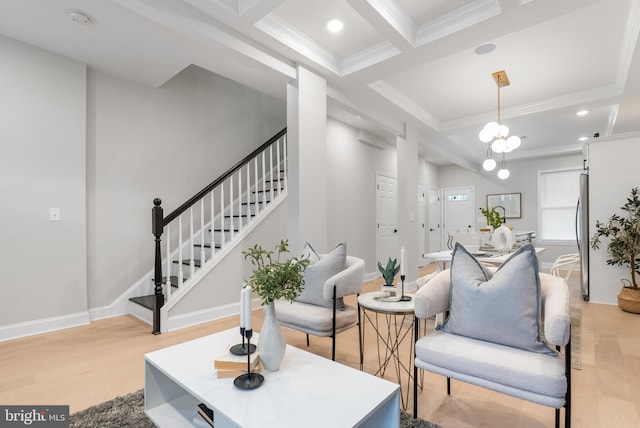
[(624, 236), (272, 278), (493, 217), (390, 271)]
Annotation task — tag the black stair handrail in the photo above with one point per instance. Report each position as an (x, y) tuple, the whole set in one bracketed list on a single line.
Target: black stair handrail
[(159, 221), (189, 203)]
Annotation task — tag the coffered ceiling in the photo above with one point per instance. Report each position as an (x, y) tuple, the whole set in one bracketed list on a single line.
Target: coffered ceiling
[(395, 62)]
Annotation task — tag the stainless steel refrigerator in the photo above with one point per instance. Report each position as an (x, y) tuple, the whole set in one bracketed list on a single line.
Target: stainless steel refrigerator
[(582, 233)]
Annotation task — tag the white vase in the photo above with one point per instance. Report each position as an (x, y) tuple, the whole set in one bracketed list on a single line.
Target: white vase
[(271, 344)]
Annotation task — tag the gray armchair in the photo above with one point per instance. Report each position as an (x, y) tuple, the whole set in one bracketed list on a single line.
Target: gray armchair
[(537, 377), (332, 318)]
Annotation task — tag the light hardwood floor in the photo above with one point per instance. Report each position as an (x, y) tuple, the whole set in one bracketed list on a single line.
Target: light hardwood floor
[(87, 365)]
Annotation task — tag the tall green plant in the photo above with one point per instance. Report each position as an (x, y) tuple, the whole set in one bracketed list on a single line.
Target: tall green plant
[(493, 217), (624, 236), (273, 279), (390, 271)]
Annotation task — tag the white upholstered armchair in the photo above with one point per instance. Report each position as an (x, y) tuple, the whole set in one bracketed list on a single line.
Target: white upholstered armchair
[(326, 315), (540, 375)]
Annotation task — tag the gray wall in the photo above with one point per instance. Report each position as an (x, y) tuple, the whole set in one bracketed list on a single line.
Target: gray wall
[(169, 143), (611, 178), (351, 190), (42, 165), (523, 180), (101, 148)]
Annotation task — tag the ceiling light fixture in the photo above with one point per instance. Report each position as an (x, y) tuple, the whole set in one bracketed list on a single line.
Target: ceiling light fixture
[(583, 138), (335, 25), (79, 17), (582, 113), (485, 49), (496, 134)]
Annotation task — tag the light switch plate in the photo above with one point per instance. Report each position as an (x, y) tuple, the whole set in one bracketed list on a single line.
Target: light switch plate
[(54, 214)]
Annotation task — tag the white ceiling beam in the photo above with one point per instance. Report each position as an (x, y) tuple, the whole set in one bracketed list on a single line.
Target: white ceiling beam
[(405, 103), (254, 10), (390, 18)]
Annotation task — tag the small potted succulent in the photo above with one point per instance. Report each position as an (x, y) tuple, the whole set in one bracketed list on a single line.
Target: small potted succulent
[(389, 273), (623, 233)]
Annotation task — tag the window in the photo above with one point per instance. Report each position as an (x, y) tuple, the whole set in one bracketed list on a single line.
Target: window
[(558, 192)]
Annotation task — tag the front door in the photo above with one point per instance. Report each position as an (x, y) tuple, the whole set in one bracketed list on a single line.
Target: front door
[(434, 220), (459, 217)]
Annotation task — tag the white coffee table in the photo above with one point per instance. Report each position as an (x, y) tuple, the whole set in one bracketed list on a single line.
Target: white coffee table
[(307, 391)]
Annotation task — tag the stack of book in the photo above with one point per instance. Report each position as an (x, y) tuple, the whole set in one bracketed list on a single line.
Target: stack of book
[(230, 365), (205, 415)]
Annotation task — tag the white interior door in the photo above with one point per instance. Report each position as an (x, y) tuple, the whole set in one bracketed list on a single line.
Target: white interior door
[(458, 203), (421, 224), (434, 220), (387, 218)]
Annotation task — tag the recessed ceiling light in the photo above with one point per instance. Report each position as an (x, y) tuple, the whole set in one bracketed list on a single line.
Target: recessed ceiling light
[(582, 113), (79, 17), (583, 138), (335, 25), (485, 49)]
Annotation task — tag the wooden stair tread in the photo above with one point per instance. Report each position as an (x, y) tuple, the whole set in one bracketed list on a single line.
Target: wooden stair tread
[(187, 262), (145, 301)]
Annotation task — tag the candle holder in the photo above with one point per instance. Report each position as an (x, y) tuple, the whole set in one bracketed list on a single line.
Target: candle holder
[(403, 298), (242, 348), (248, 380)]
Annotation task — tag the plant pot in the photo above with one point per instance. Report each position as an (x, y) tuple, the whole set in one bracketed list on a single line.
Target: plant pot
[(271, 343), (629, 300)]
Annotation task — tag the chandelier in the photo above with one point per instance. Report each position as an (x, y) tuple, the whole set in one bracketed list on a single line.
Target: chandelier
[(496, 135)]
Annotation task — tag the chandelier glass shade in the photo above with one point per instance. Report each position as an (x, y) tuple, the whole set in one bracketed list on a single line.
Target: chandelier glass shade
[(496, 135)]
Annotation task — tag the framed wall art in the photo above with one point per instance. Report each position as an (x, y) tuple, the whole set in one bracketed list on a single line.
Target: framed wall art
[(511, 202)]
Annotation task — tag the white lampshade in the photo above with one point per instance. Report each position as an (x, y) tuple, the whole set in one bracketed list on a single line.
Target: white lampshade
[(514, 142), (492, 128), (504, 131), (485, 136), (489, 164), (503, 174), (499, 145)]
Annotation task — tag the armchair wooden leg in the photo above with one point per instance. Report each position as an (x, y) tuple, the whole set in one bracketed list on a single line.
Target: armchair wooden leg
[(307, 339), (448, 386)]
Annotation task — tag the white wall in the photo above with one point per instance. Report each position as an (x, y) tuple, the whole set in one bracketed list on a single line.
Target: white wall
[(523, 180), (351, 190), (613, 172), (169, 143), (42, 165)]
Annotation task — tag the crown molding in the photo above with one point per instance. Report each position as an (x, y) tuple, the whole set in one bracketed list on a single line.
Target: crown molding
[(368, 57), (632, 29), (295, 39), (402, 101), (456, 20)]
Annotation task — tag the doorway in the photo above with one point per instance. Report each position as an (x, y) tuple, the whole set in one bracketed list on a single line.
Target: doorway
[(458, 214), (387, 218)]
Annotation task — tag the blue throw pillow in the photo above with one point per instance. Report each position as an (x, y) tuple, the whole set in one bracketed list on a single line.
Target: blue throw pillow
[(504, 308)]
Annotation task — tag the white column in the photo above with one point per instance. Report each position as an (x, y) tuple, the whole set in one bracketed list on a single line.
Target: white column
[(306, 140), (407, 160)]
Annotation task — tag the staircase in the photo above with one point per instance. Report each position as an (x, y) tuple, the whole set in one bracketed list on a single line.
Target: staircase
[(192, 239)]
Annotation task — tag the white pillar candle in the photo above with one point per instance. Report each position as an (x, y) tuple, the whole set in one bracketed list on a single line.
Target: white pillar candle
[(247, 320), (243, 316), (403, 262)]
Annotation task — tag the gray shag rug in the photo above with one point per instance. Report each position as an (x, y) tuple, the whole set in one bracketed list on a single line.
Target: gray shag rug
[(128, 412)]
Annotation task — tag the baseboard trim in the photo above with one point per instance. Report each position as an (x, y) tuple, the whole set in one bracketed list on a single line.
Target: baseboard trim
[(177, 322), (44, 325)]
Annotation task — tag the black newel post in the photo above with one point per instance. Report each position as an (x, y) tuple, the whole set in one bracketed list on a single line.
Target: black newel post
[(157, 229)]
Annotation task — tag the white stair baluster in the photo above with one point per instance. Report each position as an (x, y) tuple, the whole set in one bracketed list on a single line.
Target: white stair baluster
[(271, 176), (168, 280), (248, 210), (278, 165), (180, 270), (192, 263), (223, 239), (213, 240), (231, 222), (255, 186), (240, 225), (264, 182), (202, 252), (284, 147)]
